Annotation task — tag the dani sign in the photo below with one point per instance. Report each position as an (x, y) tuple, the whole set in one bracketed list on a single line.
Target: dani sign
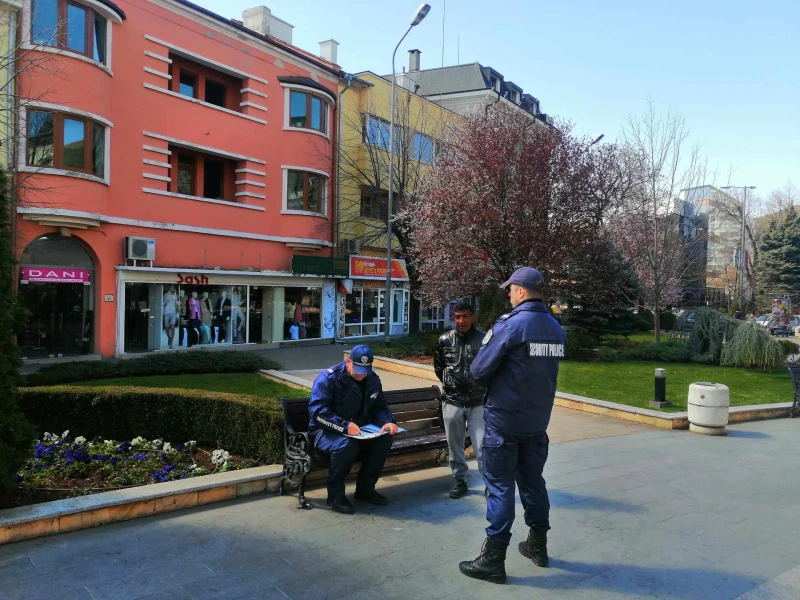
[(367, 267), (51, 275)]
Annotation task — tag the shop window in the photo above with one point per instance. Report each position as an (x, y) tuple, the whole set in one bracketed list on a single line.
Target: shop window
[(308, 111), (194, 80), (302, 311), (305, 191), (65, 141), (69, 26), (202, 175)]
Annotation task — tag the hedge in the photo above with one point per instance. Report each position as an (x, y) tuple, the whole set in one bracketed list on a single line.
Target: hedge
[(668, 351), (174, 363), (247, 425)]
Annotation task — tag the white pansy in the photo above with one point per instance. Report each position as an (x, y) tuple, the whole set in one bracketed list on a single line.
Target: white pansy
[(80, 440), (157, 443), (137, 440), (65, 434), (191, 444), (167, 447), (220, 457)]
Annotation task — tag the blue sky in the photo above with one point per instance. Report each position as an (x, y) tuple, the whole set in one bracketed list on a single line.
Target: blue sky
[(731, 67)]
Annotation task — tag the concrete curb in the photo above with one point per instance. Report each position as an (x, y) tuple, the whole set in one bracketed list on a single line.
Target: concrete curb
[(285, 379), (72, 514), (655, 418)]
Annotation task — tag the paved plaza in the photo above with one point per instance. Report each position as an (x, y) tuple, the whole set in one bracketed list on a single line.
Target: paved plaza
[(654, 514)]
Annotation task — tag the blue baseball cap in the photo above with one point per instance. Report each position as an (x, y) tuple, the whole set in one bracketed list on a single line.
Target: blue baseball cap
[(362, 360), (527, 277)]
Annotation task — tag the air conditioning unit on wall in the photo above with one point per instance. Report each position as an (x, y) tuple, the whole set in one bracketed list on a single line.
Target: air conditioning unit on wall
[(351, 246), (139, 248)]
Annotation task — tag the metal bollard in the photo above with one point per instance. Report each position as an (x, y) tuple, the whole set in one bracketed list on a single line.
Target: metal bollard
[(661, 390)]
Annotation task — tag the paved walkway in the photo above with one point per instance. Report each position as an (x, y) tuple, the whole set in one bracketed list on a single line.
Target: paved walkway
[(566, 425), (660, 514)]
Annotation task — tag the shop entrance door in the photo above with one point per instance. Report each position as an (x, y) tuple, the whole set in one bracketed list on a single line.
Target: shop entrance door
[(57, 320), (139, 317)]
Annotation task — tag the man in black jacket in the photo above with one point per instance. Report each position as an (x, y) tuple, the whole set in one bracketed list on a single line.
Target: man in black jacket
[(463, 399)]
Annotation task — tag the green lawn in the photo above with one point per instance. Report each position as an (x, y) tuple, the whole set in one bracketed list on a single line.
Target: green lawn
[(632, 382), (237, 383)]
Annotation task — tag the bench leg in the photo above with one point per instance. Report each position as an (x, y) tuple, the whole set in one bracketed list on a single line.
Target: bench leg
[(302, 504)]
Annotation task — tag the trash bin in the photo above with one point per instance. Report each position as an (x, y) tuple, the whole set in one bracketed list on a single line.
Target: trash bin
[(709, 404)]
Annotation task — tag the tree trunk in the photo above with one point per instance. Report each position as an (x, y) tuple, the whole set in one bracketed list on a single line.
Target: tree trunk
[(657, 322)]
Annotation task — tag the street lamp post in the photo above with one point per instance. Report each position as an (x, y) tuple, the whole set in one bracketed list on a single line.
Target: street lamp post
[(421, 13), (742, 271)]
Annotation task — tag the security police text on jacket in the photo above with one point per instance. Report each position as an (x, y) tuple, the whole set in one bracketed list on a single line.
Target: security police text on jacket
[(337, 400), (520, 385), (451, 361)]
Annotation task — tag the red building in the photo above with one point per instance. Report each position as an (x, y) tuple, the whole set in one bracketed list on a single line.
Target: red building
[(169, 174)]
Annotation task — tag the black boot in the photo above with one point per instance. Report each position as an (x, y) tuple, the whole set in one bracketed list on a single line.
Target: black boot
[(340, 504), (535, 547), (490, 565), (460, 489)]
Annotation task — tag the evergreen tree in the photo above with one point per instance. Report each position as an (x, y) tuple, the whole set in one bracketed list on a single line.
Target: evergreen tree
[(604, 287), (780, 259), (16, 434)]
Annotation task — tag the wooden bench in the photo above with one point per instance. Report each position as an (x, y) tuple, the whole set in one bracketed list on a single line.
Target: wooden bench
[(419, 411), (794, 371)]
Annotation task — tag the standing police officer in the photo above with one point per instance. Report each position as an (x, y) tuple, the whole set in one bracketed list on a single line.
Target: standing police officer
[(518, 363), (344, 398)]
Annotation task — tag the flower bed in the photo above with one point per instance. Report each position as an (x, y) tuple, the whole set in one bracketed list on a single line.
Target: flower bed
[(63, 467)]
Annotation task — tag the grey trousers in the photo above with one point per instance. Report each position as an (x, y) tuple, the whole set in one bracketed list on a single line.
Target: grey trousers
[(456, 421)]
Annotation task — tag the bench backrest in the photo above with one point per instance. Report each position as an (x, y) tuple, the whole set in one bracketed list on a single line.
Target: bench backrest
[(418, 408)]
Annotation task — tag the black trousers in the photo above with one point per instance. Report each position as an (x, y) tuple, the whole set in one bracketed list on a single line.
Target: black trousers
[(344, 451)]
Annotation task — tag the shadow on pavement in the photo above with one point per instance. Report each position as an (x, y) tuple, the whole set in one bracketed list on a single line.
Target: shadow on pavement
[(740, 433)]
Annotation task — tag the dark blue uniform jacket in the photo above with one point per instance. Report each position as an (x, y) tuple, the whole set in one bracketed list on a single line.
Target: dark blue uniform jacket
[(518, 364), (337, 400)]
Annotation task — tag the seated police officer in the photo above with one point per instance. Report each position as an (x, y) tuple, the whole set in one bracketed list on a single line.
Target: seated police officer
[(518, 363), (343, 399)]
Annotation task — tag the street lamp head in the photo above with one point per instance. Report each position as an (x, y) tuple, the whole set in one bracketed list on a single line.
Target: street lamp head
[(421, 13)]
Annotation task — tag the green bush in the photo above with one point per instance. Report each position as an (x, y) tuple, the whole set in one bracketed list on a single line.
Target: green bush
[(606, 354), (580, 344), (667, 351), (173, 363), (788, 347), (752, 346), (667, 321), (420, 343), (246, 425), (644, 320)]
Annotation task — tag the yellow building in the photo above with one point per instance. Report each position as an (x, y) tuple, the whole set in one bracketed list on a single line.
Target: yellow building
[(9, 22), (362, 194)]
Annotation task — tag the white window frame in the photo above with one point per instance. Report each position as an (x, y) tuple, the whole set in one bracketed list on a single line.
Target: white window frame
[(22, 145), (111, 17), (285, 210), (329, 102)]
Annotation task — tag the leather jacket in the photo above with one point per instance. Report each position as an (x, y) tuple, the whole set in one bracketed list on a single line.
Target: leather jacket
[(452, 360)]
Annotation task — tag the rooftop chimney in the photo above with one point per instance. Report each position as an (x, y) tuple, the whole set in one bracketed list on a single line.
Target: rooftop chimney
[(328, 49), (261, 20), (413, 60), (257, 19)]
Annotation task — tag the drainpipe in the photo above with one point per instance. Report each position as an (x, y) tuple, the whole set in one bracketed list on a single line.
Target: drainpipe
[(348, 77)]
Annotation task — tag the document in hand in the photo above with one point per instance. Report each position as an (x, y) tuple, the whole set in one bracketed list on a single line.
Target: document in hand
[(370, 431)]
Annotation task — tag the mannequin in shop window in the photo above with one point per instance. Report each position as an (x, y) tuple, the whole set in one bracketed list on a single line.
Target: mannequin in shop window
[(194, 311), (182, 331), (170, 305), (206, 315), (222, 314), (237, 315)]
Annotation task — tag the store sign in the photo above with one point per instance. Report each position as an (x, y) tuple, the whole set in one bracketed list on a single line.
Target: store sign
[(319, 265), (367, 267), (192, 279), (49, 275)]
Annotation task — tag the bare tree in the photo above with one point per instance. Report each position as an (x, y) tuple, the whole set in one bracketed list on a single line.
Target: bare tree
[(647, 229), (364, 168), (781, 199)]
